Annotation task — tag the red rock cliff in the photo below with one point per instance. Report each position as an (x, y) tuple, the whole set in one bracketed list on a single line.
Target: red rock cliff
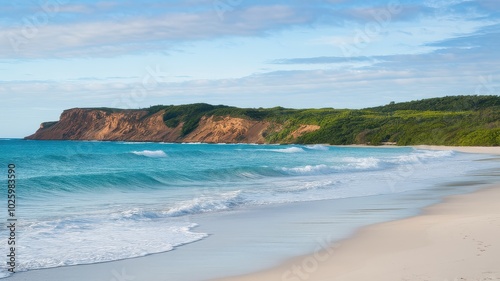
[(139, 125)]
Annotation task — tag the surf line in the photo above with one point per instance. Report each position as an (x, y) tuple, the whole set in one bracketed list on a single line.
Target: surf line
[(11, 220)]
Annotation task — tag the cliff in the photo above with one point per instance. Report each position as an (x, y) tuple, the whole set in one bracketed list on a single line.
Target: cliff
[(141, 125), (454, 120)]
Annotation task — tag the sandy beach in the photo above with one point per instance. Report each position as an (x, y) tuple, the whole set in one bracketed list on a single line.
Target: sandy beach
[(494, 150), (453, 240), (467, 149)]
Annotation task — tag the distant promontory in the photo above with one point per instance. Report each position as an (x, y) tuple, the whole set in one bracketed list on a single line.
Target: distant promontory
[(453, 120)]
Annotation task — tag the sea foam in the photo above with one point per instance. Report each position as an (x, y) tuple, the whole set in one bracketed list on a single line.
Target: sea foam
[(204, 204), (72, 241), (150, 153), (317, 147), (310, 170), (285, 150)]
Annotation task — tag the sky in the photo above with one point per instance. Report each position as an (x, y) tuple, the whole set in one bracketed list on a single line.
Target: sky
[(61, 54)]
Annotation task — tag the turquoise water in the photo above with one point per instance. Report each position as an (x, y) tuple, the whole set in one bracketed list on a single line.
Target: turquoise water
[(115, 200)]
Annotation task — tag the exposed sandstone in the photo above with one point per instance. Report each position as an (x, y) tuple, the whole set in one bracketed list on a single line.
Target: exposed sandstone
[(95, 124), (139, 125), (303, 129), (228, 130)]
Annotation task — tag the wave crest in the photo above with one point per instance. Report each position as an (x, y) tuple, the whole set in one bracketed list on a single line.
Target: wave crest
[(221, 202), (151, 153), (309, 170), (321, 147), (286, 150), (362, 163)]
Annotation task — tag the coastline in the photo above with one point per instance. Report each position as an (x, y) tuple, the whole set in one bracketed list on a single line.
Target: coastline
[(455, 239), (157, 264), (466, 149), (493, 150)]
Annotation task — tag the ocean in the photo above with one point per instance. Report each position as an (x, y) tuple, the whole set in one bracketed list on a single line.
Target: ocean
[(85, 202)]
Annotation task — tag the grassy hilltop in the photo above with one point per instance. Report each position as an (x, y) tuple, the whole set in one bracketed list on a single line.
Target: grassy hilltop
[(454, 120)]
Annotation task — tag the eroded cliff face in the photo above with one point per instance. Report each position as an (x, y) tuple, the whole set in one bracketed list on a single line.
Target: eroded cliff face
[(139, 125), (229, 130), (94, 124)]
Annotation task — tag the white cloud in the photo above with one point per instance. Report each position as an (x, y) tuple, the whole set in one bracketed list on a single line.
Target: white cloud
[(114, 37)]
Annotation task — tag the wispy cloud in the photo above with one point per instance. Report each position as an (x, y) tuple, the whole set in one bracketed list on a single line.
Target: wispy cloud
[(111, 37), (324, 60)]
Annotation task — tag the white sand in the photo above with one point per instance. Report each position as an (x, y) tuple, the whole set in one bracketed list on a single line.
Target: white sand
[(467, 149), (455, 240)]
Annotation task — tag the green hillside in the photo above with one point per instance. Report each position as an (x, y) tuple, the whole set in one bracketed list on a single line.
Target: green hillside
[(454, 120)]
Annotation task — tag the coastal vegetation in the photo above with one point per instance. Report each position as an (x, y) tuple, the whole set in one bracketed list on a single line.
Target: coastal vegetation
[(453, 120)]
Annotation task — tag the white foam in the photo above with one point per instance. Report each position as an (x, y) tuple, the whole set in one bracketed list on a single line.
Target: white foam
[(150, 153), (306, 186), (321, 147), (362, 163), (309, 170), (218, 202), (348, 163), (72, 241), (136, 214), (437, 153), (421, 155), (285, 150)]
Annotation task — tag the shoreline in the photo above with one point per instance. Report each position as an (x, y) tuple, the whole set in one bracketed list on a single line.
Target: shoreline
[(455, 239), (465, 149), (494, 150), (392, 251), (157, 262)]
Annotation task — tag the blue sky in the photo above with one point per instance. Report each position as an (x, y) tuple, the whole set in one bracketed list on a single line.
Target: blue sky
[(59, 54)]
